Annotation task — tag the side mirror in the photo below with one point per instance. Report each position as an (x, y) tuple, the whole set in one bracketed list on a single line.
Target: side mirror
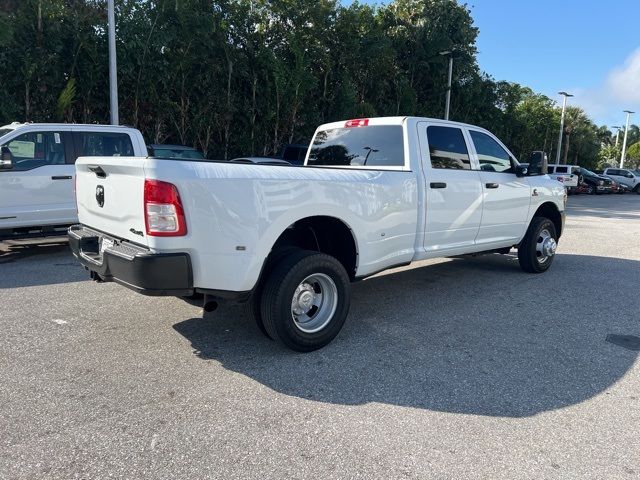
[(537, 163), (6, 159), (522, 170)]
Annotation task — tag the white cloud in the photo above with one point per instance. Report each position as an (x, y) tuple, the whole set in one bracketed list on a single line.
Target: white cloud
[(623, 83), (620, 90)]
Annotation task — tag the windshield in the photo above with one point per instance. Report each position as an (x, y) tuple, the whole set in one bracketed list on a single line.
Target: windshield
[(588, 173), (374, 146), (4, 131)]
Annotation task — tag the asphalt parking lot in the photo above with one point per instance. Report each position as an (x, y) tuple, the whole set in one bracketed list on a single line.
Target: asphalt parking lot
[(448, 369)]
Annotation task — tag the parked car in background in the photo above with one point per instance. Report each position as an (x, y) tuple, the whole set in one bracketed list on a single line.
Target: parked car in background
[(599, 184), (295, 153), (261, 161), (631, 178), (174, 152), (37, 171)]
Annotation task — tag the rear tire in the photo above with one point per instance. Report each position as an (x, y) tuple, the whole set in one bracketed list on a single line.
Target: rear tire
[(256, 298), (305, 300), (537, 249)]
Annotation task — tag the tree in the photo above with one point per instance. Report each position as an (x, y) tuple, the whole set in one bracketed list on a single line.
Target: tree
[(633, 156)]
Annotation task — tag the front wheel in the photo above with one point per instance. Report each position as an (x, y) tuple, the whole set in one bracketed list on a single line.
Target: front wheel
[(538, 247), (305, 300)]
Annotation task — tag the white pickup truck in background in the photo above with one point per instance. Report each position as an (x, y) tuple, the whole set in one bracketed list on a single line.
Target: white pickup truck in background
[(37, 171), (373, 194), (568, 175)]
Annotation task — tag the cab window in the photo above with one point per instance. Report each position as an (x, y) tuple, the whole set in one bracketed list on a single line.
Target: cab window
[(36, 149), (103, 144), (447, 148), (491, 155)]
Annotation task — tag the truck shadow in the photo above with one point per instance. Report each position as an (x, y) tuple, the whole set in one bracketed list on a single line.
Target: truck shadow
[(473, 336)]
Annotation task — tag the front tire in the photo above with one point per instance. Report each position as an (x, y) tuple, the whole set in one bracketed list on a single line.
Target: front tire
[(305, 300), (538, 247)]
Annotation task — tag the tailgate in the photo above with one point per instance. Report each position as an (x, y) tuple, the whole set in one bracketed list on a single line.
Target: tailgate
[(110, 196)]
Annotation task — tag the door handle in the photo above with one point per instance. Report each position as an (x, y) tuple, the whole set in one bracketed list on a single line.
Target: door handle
[(61, 177), (438, 185), (491, 185)]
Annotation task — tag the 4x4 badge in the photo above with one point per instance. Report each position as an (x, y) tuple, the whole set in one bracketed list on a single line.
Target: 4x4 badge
[(100, 195)]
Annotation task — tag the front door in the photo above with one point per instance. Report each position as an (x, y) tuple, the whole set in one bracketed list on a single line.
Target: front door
[(506, 197), (38, 189), (453, 190)]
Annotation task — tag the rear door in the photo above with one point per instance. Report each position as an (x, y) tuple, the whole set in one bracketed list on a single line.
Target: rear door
[(506, 197), (454, 194), (110, 195), (38, 189)]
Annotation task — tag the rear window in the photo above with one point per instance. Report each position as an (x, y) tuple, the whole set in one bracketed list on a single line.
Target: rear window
[(562, 169), (374, 146)]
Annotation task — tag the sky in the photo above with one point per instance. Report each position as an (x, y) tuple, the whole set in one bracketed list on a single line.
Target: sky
[(589, 48)]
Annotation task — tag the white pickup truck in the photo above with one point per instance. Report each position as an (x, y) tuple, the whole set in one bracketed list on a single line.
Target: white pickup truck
[(373, 194), (36, 172)]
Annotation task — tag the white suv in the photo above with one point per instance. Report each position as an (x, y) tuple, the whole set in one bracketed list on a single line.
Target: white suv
[(630, 178), (37, 171)]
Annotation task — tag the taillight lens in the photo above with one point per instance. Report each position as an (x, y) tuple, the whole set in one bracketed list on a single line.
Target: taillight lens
[(560, 179), (164, 215), (357, 122)]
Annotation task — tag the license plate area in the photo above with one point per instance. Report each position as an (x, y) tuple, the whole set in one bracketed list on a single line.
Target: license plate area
[(105, 244)]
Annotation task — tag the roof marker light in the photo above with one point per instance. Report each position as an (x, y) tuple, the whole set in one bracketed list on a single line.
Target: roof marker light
[(357, 122)]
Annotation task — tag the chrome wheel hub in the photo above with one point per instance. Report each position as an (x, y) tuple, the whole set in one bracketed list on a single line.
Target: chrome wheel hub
[(314, 303), (303, 299), (545, 246)]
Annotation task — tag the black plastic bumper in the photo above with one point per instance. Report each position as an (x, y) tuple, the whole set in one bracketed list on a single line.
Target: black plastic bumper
[(131, 265)]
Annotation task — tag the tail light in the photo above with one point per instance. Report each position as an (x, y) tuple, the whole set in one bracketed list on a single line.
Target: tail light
[(163, 212), (357, 122), (560, 179)]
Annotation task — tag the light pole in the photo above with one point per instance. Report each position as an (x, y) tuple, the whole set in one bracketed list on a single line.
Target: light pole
[(113, 73), (564, 107), (617, 132), (624, 140), (448, 53)]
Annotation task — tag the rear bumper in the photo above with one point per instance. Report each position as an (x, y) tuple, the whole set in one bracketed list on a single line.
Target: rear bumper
[(131, 265)]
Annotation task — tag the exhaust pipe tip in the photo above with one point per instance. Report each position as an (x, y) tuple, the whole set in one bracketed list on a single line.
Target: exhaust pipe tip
[(209, 305)]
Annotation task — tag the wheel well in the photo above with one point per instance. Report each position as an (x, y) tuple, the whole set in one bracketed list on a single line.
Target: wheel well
[(322, 234), (550, 211)]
